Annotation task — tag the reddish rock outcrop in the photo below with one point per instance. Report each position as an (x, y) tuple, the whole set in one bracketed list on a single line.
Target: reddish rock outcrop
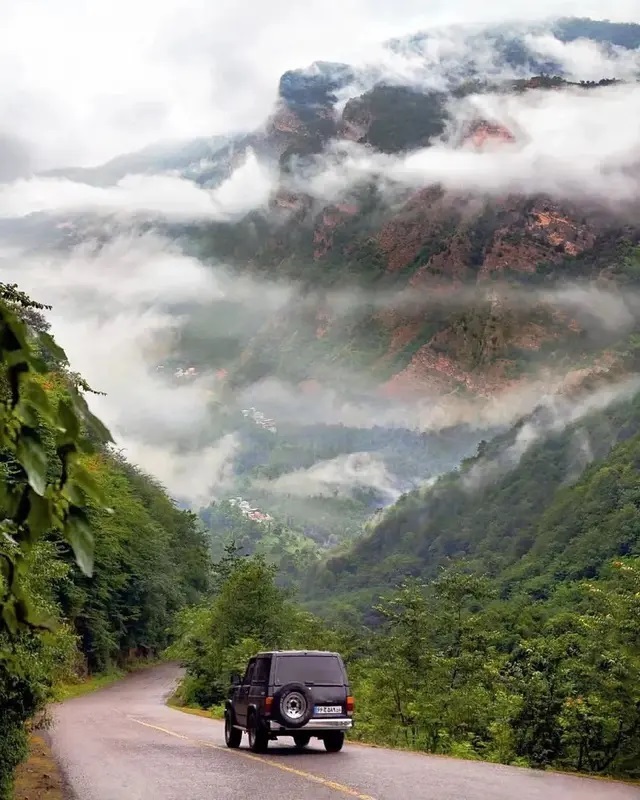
[(323, 233), (483, 134)]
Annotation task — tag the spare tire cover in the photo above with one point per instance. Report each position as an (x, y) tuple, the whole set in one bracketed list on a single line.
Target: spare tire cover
[(293, 705)]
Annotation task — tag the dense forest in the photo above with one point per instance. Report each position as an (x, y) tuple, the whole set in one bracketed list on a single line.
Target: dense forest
[(95, 558), (557, 510), (331, 504)]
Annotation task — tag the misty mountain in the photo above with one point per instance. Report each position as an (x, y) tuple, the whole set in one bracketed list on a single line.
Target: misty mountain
[(358, 293), (393, 251), (183, 157), (325, 480), (307, 90)]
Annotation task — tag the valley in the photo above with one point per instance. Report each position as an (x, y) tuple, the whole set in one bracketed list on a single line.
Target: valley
[(363, 376)]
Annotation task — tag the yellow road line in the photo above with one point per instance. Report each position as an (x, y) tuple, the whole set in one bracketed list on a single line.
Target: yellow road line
[(309, 776), (164, 730)]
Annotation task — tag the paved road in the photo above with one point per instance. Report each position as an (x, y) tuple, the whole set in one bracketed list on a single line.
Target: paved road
[(124, 743)]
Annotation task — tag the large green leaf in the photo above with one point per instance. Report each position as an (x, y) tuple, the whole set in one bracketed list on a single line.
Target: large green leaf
[(38, 398), (32, 456), (13, 334), (97, 427), (74, 493), (69, 420), (40, 517), (80, 537)]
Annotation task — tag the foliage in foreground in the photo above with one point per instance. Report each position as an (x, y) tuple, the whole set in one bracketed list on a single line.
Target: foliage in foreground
[(452, 669), (82, 586)]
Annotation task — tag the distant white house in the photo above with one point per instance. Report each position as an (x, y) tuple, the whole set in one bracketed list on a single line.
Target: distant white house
[(188, 372), (259, 418), (249, 511)]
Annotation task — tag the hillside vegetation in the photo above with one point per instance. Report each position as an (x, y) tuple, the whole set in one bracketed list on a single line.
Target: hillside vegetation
[(451, 668), (530, 525), (317, 485), (513, 510)]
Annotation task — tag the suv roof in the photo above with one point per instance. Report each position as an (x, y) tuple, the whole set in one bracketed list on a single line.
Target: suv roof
[(296, 653)]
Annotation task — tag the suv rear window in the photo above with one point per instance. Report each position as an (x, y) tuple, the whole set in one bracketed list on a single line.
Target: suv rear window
[(321, 670)]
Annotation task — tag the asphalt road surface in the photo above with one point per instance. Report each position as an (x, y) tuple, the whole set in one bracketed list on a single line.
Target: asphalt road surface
[(124, 743)]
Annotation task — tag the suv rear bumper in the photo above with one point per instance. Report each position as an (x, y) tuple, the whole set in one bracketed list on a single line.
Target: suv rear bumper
[(341, 724)]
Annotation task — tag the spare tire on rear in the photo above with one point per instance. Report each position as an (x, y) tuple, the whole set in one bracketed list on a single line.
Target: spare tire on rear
[(293, 705)]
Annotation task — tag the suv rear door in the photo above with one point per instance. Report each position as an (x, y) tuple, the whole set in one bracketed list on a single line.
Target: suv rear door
[(242, 694), (259, 682), (324, 675)]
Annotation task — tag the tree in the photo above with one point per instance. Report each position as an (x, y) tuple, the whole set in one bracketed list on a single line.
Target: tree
[(248, 613)]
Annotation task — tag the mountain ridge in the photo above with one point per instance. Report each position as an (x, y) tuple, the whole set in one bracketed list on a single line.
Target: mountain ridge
[(456, 299)]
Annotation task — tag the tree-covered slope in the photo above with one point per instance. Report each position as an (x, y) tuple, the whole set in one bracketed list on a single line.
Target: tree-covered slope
[(150, 560), (531, 516), (322, 483), (451, 668)]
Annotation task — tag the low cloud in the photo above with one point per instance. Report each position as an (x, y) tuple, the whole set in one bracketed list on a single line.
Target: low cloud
[(143, 71), (173, 198), (118, 311), (340, 476), (193, 477), (605, 308), (584, 59), (550, 417), (121, 309), (570, 143), (444, 57), (15, 157), (362, 406)]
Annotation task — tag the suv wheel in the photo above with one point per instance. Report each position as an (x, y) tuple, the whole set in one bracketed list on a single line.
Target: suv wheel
[(333, 741), (258, 737), (232, 736), (301, 740)]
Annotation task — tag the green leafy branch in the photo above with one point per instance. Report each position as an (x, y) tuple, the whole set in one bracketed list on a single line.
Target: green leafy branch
[(32, 503)]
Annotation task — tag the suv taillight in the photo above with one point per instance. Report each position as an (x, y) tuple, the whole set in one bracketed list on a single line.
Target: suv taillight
[(268, 703), (350, 705)]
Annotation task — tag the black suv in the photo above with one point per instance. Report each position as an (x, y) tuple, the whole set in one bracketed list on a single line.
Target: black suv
[(298, 693)]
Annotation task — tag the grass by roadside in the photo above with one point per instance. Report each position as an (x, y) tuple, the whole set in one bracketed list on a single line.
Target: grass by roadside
[(39, 777), (85, 685), (176, 701), (81, 686)]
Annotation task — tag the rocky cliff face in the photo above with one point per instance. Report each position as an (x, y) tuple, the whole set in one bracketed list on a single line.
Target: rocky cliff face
[(435, 245)]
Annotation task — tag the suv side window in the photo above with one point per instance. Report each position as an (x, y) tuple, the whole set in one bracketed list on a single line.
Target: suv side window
[(261, 673), (248, 675)]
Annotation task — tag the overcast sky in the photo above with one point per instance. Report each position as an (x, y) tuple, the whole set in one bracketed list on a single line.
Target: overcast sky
[(83, 81)]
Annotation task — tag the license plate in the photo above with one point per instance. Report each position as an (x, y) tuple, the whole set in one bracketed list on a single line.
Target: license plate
[(327, 710)]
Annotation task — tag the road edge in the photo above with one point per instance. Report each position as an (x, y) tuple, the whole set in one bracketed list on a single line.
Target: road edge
[(40, 776)]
